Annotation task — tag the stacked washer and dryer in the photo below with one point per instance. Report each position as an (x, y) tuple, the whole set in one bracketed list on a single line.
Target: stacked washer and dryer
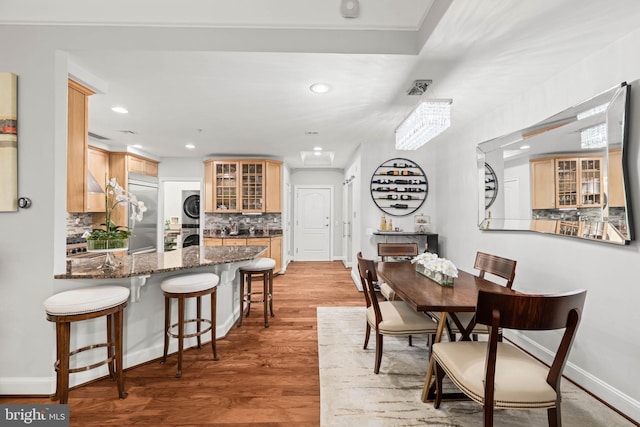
[(190, 218)]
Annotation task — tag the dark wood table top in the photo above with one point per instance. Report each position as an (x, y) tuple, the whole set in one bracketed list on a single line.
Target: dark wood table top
[(423, 294)]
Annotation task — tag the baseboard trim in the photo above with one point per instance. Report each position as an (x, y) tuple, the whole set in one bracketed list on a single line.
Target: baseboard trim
[(32, 386), (612, 397), (356, 279)]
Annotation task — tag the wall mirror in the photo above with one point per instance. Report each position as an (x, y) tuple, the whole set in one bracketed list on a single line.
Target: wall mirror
[(565, 175)]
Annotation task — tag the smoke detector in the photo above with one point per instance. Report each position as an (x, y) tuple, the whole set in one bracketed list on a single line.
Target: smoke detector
[(419, 87)]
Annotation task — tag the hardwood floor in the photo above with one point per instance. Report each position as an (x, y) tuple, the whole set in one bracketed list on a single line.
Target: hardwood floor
[(265, 377)]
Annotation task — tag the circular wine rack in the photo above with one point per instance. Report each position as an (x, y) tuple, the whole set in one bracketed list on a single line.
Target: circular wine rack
[(399, 187), (490, 186)]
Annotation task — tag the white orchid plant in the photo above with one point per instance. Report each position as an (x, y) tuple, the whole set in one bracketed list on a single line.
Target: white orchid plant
[(115, 195), (432, 262)]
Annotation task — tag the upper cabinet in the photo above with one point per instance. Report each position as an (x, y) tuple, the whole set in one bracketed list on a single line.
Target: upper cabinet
[(141, 165), (566, 182), (97, 174), (243, 185), (78, 148), (543, 191)]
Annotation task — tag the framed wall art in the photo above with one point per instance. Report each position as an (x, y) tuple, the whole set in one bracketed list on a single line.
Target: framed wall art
[(8, 142)]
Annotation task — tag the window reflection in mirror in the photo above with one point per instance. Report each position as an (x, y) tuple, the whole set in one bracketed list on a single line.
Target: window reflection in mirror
[(565, 175)]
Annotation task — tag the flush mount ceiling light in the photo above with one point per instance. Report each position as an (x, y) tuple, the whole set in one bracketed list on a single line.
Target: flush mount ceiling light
[(429, 119), (190, 146), (120, 110), (317, 158), (320, 88)]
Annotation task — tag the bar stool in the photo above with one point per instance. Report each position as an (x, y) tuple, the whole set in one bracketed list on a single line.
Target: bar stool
[(84, 304), (182, 287), (257, 267)]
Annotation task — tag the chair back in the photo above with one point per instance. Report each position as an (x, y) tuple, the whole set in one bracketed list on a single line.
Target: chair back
[(533, 313), (397, 250), (498, 266), (367, 271)]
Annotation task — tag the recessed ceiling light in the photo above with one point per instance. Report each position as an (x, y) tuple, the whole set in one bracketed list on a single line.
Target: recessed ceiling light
[(317, 153), (525, 147), (317, 148), (320, 88), (120, 110), (190, 146)]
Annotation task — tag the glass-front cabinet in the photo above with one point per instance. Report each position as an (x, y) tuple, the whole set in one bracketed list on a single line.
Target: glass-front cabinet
[(252, 186), (578, 182), (225, 187), (243, 185)]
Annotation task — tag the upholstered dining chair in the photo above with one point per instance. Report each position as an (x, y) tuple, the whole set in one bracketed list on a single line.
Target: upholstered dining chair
[(494, 265), (499, 375), (395, 250), (388, 317)]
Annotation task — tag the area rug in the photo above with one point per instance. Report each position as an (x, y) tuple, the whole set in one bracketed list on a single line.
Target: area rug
[(352, 395)]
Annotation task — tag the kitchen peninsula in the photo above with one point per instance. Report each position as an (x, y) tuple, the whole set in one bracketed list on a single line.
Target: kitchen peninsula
[(144, 317)]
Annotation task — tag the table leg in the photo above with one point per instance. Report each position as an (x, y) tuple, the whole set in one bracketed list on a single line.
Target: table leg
[(427, 394)]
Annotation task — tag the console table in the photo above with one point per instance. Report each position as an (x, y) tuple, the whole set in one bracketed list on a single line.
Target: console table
[(431, 239)]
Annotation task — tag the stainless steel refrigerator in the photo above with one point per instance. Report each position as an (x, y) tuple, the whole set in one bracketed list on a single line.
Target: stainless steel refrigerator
[(145, 237)]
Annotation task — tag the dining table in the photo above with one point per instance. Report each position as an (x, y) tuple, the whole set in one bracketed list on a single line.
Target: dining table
[(426, 295)]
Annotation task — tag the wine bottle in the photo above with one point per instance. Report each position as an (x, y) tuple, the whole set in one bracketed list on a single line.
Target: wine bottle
[(400, 206)]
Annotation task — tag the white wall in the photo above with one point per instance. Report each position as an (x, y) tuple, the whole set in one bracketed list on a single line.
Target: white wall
[(372, 156), (605, 354)]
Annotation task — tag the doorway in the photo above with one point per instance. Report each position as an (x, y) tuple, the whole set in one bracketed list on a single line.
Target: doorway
[(313, 228)]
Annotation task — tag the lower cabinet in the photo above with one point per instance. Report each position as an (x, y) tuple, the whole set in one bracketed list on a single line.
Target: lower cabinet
[(273, 244)]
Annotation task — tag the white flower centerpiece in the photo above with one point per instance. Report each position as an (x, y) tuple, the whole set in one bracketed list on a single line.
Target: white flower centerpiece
[(114, 237), (440, 270)]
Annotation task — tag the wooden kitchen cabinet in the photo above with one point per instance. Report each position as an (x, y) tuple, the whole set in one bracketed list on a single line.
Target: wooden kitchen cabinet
[(242, 185), (212, 241), (616, 180), (252, 187), (77, 146), (98, 167), (566, 182), (276, 252), (234, 242), (142, 165), (273, 193), (579, 182), (543, 184)]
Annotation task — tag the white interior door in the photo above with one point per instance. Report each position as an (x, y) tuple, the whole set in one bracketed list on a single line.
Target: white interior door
[(313, 226), (511, 198)]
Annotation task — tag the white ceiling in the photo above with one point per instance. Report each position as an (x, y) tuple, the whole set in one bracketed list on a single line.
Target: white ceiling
[(233, 77)]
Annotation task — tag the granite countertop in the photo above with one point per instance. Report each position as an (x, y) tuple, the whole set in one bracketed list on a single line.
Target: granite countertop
[(157, 262), (242, 234)]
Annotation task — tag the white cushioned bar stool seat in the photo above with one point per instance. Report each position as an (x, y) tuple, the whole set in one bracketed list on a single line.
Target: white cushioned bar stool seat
[(262, 267), (181, 287), (83, 304)]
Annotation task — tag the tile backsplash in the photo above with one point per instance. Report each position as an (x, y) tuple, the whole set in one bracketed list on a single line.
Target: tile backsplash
[(78, 223), (216, 221)]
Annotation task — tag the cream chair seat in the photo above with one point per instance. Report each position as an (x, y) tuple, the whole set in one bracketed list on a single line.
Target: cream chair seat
[(388, 317), (499, 375), (399, 319), (464, 363)]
